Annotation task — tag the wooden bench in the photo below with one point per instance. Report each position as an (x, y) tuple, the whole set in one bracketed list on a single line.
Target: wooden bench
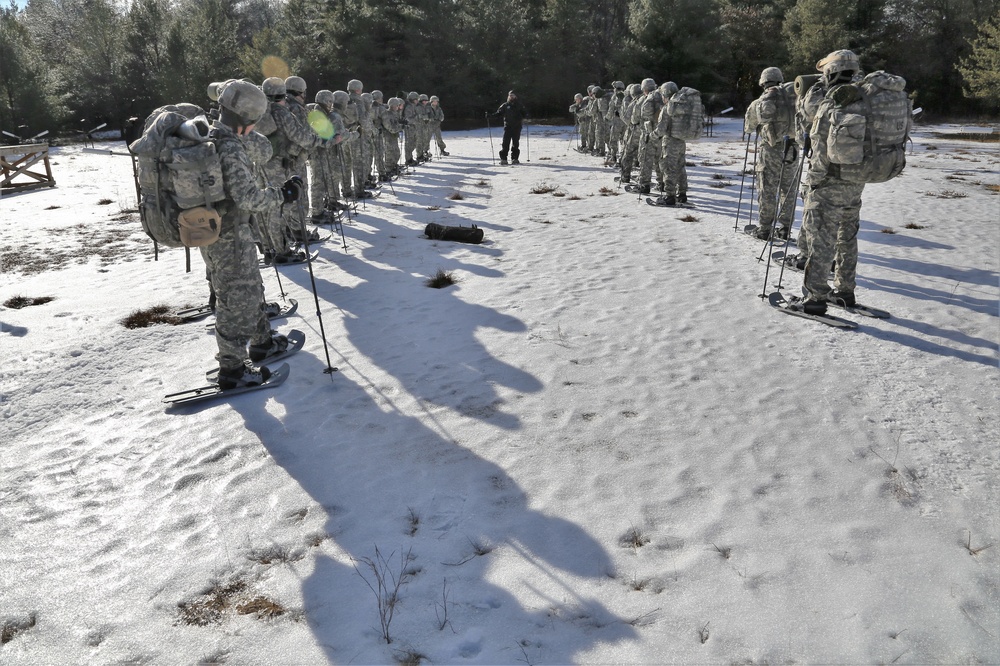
[(16, 162)]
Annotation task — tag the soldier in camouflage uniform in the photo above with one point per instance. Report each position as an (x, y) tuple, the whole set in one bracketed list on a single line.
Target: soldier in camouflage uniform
[(586, 123), (616, 123), (424, 134), (295, 87), (350, 149), (776, 162), (378, 136), (232, 259), (601, 124), (362, 163), (392, 125), (673, 154), (832, 212), (576, 108), (411, 123), (437, 117), (288, 137), (633, 131), (324, 167), (649, 146)]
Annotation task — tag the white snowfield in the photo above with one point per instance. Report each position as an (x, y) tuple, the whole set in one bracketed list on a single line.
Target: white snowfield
[(599, 446)]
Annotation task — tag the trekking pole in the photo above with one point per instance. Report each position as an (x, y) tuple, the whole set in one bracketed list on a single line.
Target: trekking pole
[(746, 157), (528, 142), (794, 191), (312, 279), (753, 181), (490, 131)]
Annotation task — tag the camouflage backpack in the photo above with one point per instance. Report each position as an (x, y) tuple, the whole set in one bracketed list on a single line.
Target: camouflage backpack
[(869, 126), (777, 113), (686, 114), (180, 178)]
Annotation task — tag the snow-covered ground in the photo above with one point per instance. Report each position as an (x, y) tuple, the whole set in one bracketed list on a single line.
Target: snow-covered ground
[(598, 446)]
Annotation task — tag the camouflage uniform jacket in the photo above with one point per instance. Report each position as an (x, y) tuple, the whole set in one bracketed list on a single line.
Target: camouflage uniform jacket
[(363, 122), (292, 138), (391, 122), (301, 115), (411, 112), (437, 114), (240, 178)]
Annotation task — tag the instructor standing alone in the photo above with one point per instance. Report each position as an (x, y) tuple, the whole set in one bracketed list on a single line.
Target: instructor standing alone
[(513, 114)]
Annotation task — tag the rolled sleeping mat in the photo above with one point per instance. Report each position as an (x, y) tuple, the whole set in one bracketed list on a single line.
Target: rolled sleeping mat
[(805, 82), (471, 234)]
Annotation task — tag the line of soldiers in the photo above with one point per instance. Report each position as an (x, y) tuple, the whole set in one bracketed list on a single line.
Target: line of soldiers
[(343, 144), (628, 126)]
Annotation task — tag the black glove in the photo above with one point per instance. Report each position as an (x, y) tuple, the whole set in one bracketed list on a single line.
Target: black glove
[(807, 144), (404, 122), (291, 189)]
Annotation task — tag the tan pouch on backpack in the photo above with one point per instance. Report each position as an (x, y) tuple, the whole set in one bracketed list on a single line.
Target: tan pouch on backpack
[(199, 226)]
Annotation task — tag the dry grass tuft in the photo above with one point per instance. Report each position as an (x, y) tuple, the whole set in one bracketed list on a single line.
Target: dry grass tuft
[(411, 657), (104, 202), (608, 192), (914, 225), (456, 196), (543, 188), (12, 628), (158, 314), (888, 230), (52, 207), (948, 194), (441, 279), (433, 208), (993, 188), (210, 607), (262, 608), (18, 302), (573, 197), (688, 218), (634, 538)]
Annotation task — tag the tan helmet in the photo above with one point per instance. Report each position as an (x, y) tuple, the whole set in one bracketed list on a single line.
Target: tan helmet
[(771, 75), (648, 85), (413, 96), (668, 88), (295, 85), (273, 86), (618, 85), (435, 98), (355, 86), (340, 99), (839, 61), (244, 100), (377, 95), (325, 98)]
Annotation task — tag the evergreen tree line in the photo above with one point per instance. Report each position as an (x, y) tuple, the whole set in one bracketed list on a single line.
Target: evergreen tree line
[(71, 64)]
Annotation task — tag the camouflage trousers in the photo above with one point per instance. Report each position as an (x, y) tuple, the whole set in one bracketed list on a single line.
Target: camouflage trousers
[(586, 135), (649, 158), (275, 222), (410, 141), (349, 151), (775, 183), (615, 137), (378, 145), (436, 136), (323, 183), (391, 144), (601, 136), (830, 221), (673, 155), (232, 268), (300, 169), (630, 150), (425, 138), (362, 163)]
